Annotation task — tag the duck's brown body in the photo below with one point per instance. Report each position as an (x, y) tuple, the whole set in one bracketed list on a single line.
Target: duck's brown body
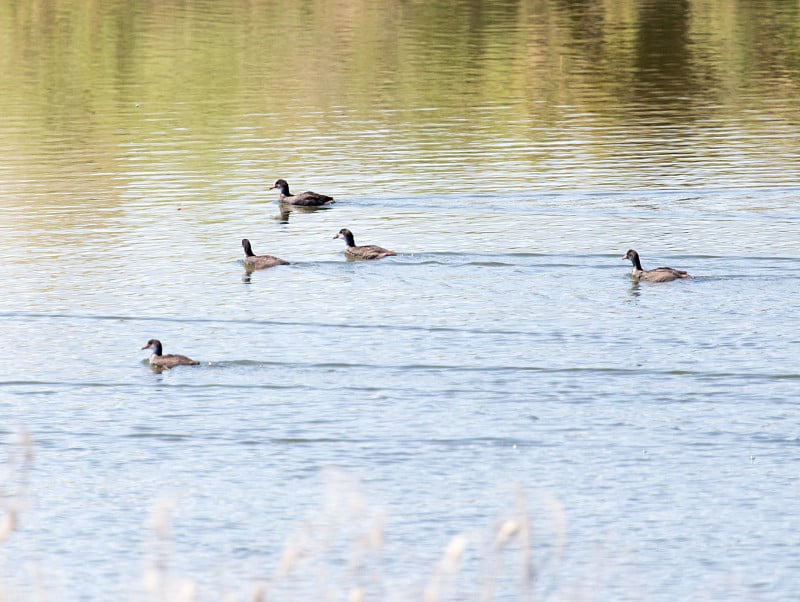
[(159, 360), (654, 275), (363, 251), (304, 199), (259, 262)]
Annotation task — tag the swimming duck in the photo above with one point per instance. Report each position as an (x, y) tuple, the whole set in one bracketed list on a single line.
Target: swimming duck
[(363, 251), (654, 275), (259, 262), (304, 199), (158, 360)]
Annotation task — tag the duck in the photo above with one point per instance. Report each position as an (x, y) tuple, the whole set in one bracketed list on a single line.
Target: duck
[(259, 262), (363, 251), (159, 360), (654, 275), (304, 199)]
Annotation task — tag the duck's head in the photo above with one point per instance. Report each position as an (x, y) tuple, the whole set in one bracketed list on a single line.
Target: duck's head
[(281, 185), (631, 255), (248, 249), (347, 236), (153, 344)]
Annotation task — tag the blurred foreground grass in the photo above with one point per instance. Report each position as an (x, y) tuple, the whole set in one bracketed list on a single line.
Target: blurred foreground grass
[(338, 552)]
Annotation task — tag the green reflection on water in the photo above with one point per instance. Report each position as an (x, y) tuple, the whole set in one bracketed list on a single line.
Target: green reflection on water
[(171, 85)]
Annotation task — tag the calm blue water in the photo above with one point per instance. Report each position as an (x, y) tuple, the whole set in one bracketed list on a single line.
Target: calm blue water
[(349, 419)]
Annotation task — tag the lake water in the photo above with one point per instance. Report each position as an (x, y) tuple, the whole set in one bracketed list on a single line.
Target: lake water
[(499, 412)]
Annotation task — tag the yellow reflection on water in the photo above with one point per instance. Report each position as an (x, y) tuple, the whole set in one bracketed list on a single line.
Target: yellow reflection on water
[(108, 102)]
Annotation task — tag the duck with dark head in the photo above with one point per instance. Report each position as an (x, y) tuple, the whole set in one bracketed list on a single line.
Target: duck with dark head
[(303, 199), (654, 275), (159, 360), (259, 262), (354, 251)]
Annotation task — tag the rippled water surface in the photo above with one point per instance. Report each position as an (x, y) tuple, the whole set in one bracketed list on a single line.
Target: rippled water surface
[(497, 413)]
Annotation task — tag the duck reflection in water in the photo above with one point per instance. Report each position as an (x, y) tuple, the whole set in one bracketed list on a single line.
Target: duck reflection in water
[(286, 210)]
